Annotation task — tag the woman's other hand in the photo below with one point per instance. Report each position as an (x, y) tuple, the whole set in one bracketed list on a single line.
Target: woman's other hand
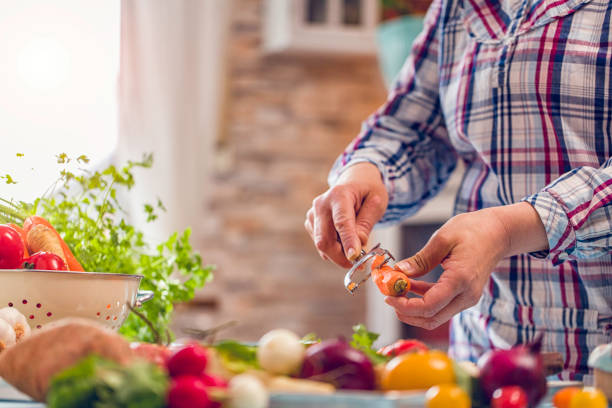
[(468, 247), (341, 219)]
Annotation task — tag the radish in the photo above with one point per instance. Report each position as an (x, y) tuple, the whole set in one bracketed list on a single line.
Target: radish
[(190, 360), (188, 391), (246, 391), (280, 352)]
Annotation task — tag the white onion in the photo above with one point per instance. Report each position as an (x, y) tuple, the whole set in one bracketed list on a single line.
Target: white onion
[(7, 335), (18, 322), (280, 352), (246, 391)]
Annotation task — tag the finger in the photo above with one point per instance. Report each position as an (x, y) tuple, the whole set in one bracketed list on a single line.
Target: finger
[(325, 238), (370, 212), (343, 215), (457, 305), (308, 223), (420, 287), (433, 300), (430, 256)]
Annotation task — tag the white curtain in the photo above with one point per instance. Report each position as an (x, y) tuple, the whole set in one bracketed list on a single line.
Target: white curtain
[(170, 91)]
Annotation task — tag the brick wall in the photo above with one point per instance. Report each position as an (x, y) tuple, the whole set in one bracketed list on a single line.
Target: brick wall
[(288, 117)]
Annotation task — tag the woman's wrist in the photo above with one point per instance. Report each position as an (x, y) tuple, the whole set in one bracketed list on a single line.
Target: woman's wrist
[(523, 228)]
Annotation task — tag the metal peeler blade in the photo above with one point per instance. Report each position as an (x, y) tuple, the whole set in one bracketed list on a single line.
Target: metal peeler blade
[(351, 280)]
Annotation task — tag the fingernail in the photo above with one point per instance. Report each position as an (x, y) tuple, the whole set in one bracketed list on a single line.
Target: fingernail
[(405, 267), (351, 253)]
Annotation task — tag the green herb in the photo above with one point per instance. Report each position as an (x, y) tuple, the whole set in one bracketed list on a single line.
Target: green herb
[(237, 357), (364, 340), (95, 382), (311, 338), (83, 207)]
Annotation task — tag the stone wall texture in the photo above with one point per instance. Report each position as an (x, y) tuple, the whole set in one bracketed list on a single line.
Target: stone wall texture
[(288, 116)]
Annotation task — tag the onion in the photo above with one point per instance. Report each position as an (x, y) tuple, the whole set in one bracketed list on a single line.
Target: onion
[(336, 362), (522, 365)]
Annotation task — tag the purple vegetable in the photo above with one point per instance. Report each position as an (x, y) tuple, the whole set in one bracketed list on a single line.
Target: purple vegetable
[(336, 362), (521, 365)]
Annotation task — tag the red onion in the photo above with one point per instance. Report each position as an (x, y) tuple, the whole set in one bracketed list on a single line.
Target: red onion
[(336, 362), (522, 365)]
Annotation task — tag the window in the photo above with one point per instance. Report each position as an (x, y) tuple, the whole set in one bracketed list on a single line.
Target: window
[(58, 87), (321, 25)]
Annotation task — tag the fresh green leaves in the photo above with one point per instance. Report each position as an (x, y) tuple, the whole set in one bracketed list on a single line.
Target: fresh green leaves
[(364, 340), (99, 383), (237, 357), (84, 208)]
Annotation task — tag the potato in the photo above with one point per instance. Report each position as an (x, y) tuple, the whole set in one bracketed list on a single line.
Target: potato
[(30, 364)]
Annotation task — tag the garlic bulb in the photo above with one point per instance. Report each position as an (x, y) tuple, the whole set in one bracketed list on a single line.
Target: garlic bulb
[(17, 321), (7, 335)]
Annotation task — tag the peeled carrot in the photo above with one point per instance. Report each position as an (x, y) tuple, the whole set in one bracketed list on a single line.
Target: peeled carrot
[(71, 261), (378, 261), (390, 282), (23, 238)]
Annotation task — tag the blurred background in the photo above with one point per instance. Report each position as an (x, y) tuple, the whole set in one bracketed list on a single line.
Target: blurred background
[(244, 104)]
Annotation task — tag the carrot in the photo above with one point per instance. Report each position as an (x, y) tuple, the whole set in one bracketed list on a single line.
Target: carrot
[(378, 261), (66, 253), (23, 238), (41, 238), (390, 282)]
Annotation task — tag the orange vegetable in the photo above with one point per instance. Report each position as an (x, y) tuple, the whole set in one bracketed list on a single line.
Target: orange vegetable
[(378, 261), (71, 261), (390, 282), (563, 397), (23, 238)]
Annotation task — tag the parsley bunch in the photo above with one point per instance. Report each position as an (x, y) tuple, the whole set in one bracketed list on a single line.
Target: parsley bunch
[(84, 208)]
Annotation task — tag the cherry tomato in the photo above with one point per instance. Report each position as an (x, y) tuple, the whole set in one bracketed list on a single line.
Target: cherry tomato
[(11, 248), (589, 397), (509, 397), (563, 397), (446, 395), (190, 360), (188, 391), (417, 371), (401, 347), (45, 261)]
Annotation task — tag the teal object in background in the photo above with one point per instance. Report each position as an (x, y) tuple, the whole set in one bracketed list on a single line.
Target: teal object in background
[(395, 38)]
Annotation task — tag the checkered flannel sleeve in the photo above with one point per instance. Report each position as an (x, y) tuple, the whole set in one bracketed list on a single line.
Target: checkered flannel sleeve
[(406, 138)]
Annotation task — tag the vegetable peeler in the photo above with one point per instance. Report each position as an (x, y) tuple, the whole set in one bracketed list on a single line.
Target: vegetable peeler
[(358, 272)]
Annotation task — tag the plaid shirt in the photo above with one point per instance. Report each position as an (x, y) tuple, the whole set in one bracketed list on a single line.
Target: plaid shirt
[(521, 92)]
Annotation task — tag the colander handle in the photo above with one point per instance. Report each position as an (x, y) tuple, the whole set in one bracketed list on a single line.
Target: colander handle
[(143, 296)]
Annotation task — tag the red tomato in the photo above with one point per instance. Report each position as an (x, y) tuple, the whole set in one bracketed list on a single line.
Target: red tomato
[(154, 353), (45, 261), (509, 397), (188, 391), (401, 347), (11, 248), (190, 360)]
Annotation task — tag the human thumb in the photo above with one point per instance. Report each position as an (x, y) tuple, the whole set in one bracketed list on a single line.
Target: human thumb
[(430, 256)]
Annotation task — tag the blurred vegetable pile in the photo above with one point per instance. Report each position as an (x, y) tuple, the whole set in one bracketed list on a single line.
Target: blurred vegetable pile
[(83, 207)]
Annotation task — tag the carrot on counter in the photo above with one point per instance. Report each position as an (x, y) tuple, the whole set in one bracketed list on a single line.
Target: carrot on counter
[(50, 238), (23, 238), (390, 282)]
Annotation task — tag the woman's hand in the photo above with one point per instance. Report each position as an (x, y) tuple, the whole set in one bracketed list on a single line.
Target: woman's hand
[(341, 219), (468, 247)]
